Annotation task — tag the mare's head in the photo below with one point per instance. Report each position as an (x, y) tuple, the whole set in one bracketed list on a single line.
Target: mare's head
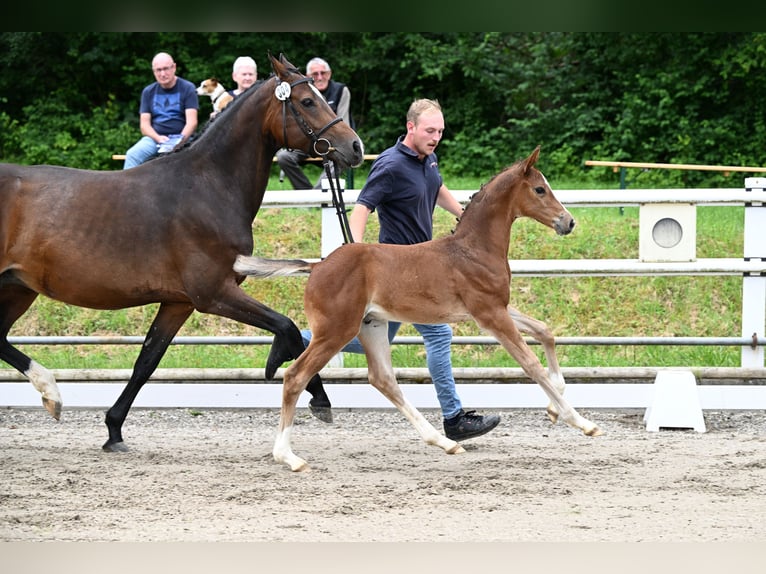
[(521, 190), (300, 118)]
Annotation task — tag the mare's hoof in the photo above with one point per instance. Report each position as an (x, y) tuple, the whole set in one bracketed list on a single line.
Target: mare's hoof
[(277, 356), (324, 414), (110, 446), (595, 431), (53, 407)]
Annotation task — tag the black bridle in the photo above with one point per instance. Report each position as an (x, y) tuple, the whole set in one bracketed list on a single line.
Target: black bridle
[(322, 147)]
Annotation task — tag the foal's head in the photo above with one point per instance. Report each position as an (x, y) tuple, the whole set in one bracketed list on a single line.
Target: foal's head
[(522, 191)]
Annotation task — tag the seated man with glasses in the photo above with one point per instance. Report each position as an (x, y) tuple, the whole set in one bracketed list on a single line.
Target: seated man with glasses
[(339, 98), (168, 113)]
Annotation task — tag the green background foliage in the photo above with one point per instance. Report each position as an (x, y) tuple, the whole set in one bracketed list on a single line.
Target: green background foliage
[(72, 98)]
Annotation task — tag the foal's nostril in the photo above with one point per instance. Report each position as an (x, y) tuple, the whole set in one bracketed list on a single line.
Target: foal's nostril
[(572, 224)]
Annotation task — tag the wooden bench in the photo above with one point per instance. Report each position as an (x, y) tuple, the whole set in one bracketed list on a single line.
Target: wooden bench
[(622, 165), (349, 173)]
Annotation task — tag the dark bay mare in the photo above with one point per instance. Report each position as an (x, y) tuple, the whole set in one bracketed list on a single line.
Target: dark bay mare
[(166, 232), (359, 287)]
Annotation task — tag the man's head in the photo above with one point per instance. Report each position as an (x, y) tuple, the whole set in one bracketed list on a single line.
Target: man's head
[(319, 70), (425, 126), (244, 72), (164, 69)]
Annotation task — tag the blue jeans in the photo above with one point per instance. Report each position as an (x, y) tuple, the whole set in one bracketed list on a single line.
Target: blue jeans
[(142, 151), (437, 340)]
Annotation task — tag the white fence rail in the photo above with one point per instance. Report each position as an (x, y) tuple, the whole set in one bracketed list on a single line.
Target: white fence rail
[(751, 266)]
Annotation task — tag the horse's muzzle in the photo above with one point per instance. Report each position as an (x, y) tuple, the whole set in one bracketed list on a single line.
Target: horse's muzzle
[(564, 224)]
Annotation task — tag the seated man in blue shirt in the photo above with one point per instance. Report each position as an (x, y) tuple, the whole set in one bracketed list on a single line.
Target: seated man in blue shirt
[(168, 113)]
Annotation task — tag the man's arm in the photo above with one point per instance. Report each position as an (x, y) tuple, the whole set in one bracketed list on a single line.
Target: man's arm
[(447, 201), (145, 123), (357, 221), (191, 123)]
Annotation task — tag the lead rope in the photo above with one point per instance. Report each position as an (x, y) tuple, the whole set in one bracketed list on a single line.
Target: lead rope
[(337, 200)]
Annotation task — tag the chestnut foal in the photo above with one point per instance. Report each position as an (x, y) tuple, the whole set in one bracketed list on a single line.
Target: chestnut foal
[(359, 287)]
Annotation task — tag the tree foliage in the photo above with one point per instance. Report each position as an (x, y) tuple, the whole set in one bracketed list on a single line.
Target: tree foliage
[(72, 98)]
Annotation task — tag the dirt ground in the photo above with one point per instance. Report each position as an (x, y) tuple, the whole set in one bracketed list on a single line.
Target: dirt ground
[(208, 475)]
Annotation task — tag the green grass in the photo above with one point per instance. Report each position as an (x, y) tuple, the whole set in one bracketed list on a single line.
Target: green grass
[(572, 306)]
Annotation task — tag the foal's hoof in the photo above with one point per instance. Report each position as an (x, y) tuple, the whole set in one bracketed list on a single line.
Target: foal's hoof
[(110, 446), (53, 407), (553, 416), (595, 431), (324, 414)]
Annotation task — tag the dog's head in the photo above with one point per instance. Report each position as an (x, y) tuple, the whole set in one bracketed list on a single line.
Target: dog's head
[(210, 87)]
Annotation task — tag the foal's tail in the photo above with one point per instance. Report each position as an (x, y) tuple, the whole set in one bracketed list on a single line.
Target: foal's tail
[(262, 268)]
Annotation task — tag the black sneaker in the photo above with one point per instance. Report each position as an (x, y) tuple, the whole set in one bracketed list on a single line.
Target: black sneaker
[(468, 424)]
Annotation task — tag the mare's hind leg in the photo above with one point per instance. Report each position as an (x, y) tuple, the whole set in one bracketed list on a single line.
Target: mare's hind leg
[(166, 324), (15, 299), (503, 328), (540, 332), (288, 343), (374, 337)]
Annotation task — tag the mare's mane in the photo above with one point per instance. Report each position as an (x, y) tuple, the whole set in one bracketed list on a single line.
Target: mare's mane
[(215, 120), (231, 109)]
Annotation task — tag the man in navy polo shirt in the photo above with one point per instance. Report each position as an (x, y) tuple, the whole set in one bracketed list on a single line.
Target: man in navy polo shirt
[(404, 187)]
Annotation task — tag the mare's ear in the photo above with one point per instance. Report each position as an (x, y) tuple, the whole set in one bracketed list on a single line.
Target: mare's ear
[(274, 63), (532, 159)]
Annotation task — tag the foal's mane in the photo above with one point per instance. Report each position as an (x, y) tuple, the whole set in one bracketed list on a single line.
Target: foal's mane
[(477, 197)]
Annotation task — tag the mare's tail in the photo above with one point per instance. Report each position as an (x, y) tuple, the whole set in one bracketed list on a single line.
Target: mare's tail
[(262, 268)]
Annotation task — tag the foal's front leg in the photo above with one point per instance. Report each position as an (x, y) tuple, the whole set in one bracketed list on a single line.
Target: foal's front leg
[(374, 338), (541, 333), (504, 330)]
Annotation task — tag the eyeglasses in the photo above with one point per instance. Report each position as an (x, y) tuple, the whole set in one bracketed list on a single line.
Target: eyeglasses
[(165, 69), (323, 74)]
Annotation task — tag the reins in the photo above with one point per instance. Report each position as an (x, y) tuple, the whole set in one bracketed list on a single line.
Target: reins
[(322, 147)]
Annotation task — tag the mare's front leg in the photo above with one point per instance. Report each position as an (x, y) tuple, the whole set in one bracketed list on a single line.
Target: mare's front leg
[(374, 338), (166, 324), (15, 299), (541, 333), (502, 327)]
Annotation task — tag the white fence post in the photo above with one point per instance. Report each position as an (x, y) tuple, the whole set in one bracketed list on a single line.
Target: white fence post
[(754, 286), (332, 234)]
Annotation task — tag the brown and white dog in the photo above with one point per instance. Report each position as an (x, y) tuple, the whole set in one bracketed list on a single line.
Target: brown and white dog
[(213, 88)]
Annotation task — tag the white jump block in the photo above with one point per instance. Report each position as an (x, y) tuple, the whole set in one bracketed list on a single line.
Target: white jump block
[(676, 402)]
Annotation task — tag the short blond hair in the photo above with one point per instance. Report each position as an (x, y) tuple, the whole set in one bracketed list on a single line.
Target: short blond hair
[(419, 107)]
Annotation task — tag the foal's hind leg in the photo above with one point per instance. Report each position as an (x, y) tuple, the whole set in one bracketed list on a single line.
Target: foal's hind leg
[(540, 332), (169, 319), (374, 337), (15, 299), (316, 355)]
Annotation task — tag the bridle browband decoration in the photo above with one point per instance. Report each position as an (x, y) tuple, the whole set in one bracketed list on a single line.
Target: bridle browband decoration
[(283, 91)]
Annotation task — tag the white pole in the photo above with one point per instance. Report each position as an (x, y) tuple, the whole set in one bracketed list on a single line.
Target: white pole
[(754, 286), (332, 234)]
